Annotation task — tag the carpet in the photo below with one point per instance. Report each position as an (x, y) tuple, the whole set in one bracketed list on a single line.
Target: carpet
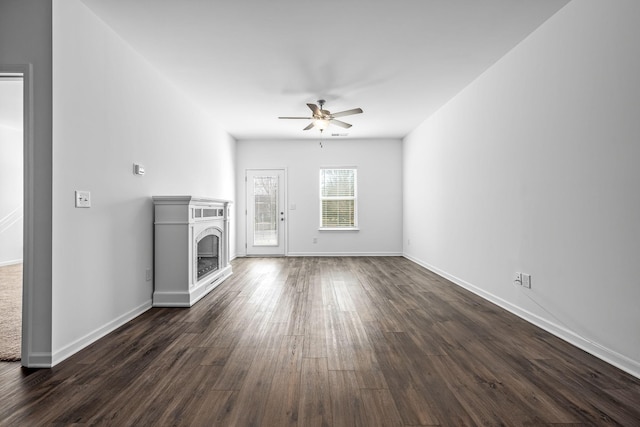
[(10, 312)]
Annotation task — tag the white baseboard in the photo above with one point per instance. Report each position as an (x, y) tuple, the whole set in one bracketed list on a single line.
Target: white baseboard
[(10, 262), (37, 360), (343, 254), (601, 352), (172, 299), (71, 349), (327, 254)]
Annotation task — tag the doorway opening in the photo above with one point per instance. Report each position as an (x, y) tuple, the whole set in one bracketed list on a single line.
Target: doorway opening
[(12, 150)]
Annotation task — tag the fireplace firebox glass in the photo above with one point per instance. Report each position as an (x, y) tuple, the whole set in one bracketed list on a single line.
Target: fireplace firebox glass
[(208, 255)]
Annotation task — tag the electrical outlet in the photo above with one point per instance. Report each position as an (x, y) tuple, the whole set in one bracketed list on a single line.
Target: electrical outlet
[(315, 240), (518, 279), (526, 281), (149, 276), (83, 199)]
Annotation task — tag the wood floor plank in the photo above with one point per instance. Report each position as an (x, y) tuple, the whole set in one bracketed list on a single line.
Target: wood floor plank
[(555, 386), (416, 407), (487, 400), (347, 408), (238, 363), (315, 396), (325, 341), (340, 351), (429, 381), (604, 407), (476, 361), (281, 407), (253, 394), (178, 387), (315, 344), (211, 410), (380, 408)]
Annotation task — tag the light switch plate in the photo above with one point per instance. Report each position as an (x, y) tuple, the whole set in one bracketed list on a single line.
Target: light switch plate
[(526, 280), (83, 199)]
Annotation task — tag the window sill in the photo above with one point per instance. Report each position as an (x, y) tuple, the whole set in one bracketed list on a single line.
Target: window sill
[(339, 229)]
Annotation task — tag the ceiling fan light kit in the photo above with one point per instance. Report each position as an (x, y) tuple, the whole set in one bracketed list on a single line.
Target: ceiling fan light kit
[(321, 124), (322, 118)]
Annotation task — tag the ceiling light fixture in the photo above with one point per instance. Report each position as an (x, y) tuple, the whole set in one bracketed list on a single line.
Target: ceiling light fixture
[(321, 124), (322, 118)]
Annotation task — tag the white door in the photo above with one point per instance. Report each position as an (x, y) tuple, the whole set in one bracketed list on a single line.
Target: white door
[(265, 212)]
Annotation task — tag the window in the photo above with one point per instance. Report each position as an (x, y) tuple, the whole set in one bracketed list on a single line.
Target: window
[(338, 199)]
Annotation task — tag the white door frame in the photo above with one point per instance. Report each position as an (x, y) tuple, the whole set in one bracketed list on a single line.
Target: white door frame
[(284, 224), (28, 202)]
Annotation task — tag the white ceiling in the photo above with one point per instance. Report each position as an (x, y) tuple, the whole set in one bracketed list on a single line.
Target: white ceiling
[(249, 61)]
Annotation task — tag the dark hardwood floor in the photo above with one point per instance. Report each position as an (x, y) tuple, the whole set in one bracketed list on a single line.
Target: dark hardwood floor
[(325, 342)]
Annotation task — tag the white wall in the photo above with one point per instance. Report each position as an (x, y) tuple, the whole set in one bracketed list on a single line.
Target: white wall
[(111, 109), (11, 161), (25, 34), (534, 168), (379, 193)]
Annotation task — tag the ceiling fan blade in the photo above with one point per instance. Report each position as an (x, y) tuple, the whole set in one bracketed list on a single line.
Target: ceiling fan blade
[(347, 112), (314, 108), (306, 118), (339, 123), (312, 124)]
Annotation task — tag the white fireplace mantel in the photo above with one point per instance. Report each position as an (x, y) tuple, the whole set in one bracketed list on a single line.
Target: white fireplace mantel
[(179, 224)]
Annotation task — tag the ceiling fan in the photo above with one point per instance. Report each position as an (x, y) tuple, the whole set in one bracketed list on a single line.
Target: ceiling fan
[(322, 118)]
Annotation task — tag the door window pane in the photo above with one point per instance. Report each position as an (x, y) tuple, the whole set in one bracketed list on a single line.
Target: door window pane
[(265, 225)]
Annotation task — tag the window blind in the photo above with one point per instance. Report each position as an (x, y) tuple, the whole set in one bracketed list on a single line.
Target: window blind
[(338, 198)]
